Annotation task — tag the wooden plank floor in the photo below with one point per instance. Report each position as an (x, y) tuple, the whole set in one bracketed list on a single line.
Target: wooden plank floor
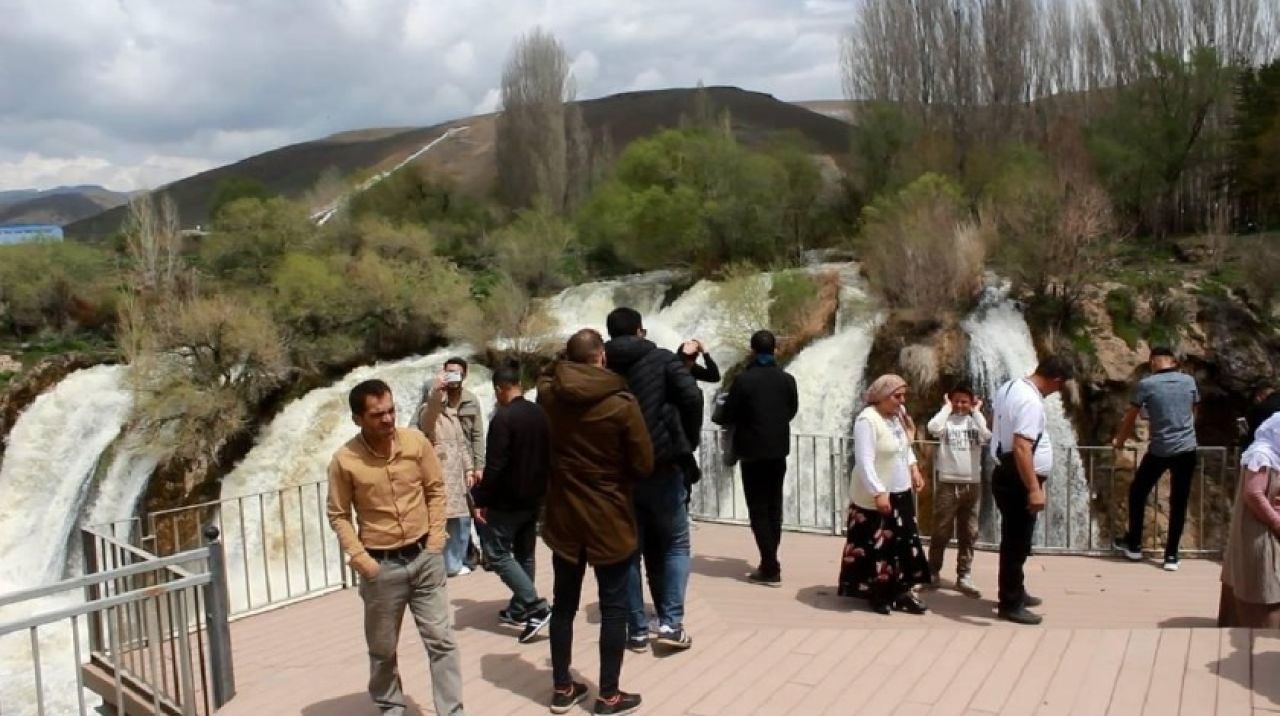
[(1118, 638)]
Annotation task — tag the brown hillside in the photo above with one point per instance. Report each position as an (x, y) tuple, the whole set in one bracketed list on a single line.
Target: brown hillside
[(56, 209), (467, 159)]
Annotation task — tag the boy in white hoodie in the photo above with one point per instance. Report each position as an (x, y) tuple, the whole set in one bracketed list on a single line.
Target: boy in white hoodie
[(961, 431)]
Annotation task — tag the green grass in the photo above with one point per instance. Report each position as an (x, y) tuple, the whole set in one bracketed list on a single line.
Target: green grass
[(1122, 308)]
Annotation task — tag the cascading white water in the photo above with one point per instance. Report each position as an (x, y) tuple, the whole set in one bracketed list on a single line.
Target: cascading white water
[(829, 376), (51, 482), (275, 531), (1001, 349)]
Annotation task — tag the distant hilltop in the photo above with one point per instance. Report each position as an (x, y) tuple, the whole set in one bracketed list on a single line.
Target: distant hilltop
[(59, 206), (468, 160)]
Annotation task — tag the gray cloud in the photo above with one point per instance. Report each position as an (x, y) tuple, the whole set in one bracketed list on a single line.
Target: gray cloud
[(136, 93)]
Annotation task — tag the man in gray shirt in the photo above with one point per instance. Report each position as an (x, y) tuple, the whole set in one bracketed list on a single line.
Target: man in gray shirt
[(1169, 399)]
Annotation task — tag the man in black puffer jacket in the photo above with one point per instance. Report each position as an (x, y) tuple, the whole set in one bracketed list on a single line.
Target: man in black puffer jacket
[(672, 406)]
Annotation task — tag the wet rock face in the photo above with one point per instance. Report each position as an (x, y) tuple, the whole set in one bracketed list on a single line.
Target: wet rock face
[(28, 386), (930, 353)]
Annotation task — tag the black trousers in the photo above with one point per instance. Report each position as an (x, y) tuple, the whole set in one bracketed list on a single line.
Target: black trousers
[(611, 580), (762, 488), (1017, 527), (1181, 468)]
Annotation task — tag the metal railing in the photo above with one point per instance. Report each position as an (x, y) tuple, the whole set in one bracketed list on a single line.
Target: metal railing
[(150, 635), (1087, 495), (278, 545)]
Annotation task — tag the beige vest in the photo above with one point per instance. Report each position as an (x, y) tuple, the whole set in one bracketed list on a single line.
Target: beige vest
[(889, 451)]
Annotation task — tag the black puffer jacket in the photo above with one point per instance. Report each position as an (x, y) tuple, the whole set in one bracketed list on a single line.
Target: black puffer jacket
[(668, 395), (762, 403)]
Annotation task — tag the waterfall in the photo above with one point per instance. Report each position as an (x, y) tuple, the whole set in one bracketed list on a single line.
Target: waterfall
[(1001, 349), (273, 519), (52, 481)]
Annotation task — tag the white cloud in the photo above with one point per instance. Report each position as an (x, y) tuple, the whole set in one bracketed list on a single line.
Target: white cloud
[(140, 90), (649, 79), (491, 103)]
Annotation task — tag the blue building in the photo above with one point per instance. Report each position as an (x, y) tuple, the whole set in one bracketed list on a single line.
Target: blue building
[(21, 233)]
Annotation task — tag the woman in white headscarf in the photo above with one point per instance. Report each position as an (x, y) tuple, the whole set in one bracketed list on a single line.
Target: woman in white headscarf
[(1251, 562), (883, 557)]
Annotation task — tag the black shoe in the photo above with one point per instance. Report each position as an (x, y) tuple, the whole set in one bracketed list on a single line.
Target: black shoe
[(677, 638), (1030, 601), (1121, 544), (1171, 564), (564, 700), (638, 644), (1020, 616), (769, 579), (534, 624), (505, 616), (910, 604), (882, 608), (618, 704)]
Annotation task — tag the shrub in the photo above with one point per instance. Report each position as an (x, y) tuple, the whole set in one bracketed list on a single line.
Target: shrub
[(1123, 310), (920, 250)]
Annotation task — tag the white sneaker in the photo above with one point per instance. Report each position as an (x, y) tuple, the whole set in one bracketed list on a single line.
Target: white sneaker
[(965, 586), (1170, 564), (462, 572)]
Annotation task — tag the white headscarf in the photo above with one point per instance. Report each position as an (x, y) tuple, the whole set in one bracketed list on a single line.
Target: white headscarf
[(1264, 453)]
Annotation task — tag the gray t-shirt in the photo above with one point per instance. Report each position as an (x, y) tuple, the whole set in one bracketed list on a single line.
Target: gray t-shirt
[(1167, 398)]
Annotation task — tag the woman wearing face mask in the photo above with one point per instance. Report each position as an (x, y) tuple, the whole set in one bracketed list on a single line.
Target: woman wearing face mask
[(1251, 562), (883, 557)]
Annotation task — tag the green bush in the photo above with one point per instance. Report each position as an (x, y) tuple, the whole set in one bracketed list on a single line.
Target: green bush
[(55, 285), (793, 295), (1122, 307)]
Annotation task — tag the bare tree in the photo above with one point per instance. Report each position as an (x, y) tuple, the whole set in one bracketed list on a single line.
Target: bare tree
[(154, 245), (531, 145)]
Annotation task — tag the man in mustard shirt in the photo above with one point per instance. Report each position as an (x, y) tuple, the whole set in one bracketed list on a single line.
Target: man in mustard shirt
[(392, 477)]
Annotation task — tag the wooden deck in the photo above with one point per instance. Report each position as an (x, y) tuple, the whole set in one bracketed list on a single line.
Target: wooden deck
[(1118, 638)]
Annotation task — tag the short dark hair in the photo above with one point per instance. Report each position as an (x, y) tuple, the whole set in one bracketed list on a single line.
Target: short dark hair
[(963, 388), (623, 321), (763, 343), (505, 375), (1163, 352), (458, 361), (359, 396), (584, 346), (1055, 368)]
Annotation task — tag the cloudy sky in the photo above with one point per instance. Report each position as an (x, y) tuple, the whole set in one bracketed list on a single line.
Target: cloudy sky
[(135, 93)]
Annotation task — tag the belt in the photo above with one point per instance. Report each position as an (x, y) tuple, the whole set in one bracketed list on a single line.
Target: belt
[(408, 551)]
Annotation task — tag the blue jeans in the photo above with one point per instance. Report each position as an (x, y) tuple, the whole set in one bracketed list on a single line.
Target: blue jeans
[(509, 538), (455, 548), (662, 528)]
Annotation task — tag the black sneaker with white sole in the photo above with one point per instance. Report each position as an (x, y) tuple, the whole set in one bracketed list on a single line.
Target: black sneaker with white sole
[(673, 638), (565, 698), (1131, 554), (638, 644), (1170, 564), (618, 704), (534, 624), (506, 617), (769, 579)]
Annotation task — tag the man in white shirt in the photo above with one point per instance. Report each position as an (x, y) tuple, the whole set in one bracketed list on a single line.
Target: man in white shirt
[(1024, 459), (961, 431)]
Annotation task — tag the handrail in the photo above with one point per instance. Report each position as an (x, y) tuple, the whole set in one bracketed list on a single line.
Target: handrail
[(98, 605), (151, 565)]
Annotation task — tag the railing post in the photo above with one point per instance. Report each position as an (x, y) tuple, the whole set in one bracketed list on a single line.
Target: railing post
[(217, 610), (92, 592)]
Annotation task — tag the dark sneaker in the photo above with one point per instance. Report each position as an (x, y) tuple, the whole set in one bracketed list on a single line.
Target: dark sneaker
[(618, 704), (506, 617), (1170, 564), (1131, 554), (676, 638), (881, 607), (535, 624), (638, 644), (565, 698), (769, 579), (1030, 601), (910, 604), (1020, 616)]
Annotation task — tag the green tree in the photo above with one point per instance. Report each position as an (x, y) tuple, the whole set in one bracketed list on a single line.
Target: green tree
[(539, 251), (233, 189), (251, 236), (1256, 147), (55, 285)]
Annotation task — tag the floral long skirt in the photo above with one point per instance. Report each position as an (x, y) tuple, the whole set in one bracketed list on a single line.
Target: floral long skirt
[(883, 557)]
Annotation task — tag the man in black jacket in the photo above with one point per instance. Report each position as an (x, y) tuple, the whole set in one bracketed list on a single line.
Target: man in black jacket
[(761, 405), (672, 406), (507, 499)]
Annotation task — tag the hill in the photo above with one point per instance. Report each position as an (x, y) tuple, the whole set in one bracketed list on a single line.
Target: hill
[(60, 206), (468, 158)]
